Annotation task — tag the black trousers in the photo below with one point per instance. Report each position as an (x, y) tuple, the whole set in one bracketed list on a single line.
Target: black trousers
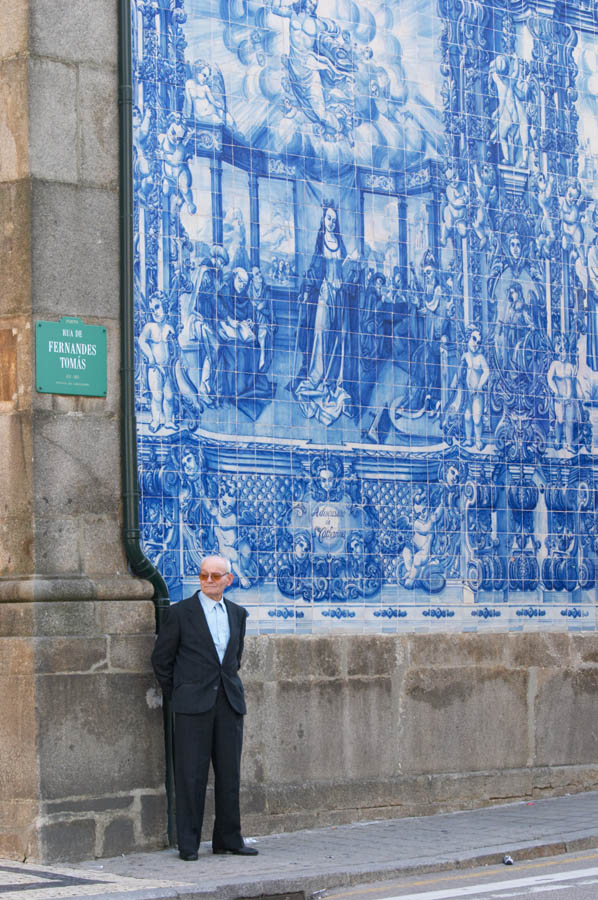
[(216, 735)]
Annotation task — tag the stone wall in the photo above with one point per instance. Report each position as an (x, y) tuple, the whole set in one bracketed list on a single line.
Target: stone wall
[(339, 729), (349, 728), (82, 749)]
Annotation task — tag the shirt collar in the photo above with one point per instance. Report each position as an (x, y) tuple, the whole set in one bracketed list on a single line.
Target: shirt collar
[(208, 603)]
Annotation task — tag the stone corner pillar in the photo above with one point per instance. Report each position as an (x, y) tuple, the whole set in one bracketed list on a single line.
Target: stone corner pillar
[(81, 747)]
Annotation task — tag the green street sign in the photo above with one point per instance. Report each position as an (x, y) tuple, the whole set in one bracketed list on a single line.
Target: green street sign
[(70, 358)]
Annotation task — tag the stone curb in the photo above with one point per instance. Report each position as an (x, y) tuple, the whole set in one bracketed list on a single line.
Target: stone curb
[(293, 887)]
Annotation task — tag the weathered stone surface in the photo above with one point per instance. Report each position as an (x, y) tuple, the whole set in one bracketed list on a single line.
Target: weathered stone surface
[(93, 804), (14, 31), (69, 545), (372, 655), (56, 544), (18, 770), (15, 248), (23, 844), (126, 617), (255, 749), (315, 657), (305, 740), (16, 472), (82, 30), (16, 656), (82, 449), (68, 841), (14, 133), (131, 652), (253, 800), (98, 126), (454, 720), (63, 619), (257, 658), (53, 120), (154, 818), (103, 732), (455, 649), (17, 813), (72, 654), (321, 728), (119, 837), (16, 544), (541, 650), (556, 780), (16, 619), (566, 713), (100, 548), (585, 647), (75, 253)]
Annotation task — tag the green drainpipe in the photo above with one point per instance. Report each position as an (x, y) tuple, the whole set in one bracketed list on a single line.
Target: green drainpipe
[(140, 564)]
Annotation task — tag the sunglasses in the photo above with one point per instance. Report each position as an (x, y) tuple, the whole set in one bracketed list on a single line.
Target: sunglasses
[(212, 576)]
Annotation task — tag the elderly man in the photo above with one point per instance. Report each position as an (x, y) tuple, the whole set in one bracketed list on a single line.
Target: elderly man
[(196, 660)]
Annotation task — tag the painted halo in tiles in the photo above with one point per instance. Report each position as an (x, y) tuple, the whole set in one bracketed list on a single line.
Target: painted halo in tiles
[(366, 277)]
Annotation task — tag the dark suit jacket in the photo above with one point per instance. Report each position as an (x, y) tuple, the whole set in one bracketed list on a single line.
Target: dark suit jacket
[(186, 662)]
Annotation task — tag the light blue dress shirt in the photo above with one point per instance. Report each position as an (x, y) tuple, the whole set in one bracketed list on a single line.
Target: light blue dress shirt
[(217, 618)]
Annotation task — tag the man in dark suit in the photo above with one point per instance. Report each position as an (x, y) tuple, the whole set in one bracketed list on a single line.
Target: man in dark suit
[(196, 660)]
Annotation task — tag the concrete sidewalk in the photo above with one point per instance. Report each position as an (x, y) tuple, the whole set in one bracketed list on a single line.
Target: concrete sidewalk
[(294, 866)]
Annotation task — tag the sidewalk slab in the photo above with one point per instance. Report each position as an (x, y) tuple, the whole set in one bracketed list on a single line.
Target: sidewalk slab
[(293, 866)]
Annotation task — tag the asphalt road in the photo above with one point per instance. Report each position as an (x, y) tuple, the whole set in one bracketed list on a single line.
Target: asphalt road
[(569, 877)]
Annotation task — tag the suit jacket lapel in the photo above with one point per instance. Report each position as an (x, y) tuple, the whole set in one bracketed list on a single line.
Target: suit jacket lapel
[(233, 626)]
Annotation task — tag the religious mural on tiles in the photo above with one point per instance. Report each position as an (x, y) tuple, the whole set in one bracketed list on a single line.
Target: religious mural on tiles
[(366, 275)]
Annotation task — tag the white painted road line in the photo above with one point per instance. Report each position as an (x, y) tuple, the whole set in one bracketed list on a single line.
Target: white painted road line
[(535, 881)]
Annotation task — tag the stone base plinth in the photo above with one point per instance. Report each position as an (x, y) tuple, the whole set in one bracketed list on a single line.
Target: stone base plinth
[(81, 747)]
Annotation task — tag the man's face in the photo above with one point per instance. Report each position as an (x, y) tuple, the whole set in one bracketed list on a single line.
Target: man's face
[(515, 247), (257, 278), (214, 578)]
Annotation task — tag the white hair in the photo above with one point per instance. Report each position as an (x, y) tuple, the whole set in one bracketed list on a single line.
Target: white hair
[(226, 562)]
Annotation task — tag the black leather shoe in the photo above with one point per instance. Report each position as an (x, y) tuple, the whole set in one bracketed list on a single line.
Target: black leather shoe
[(239, 851), (188, 857)]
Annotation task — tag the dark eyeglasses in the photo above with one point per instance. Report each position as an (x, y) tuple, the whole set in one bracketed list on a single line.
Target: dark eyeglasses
[(212, 576)]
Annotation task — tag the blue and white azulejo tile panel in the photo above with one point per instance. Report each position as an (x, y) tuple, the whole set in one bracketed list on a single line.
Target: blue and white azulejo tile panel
[(366, 275)]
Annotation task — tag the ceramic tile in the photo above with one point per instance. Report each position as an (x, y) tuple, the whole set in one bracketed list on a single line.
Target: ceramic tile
[(366, 280)]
